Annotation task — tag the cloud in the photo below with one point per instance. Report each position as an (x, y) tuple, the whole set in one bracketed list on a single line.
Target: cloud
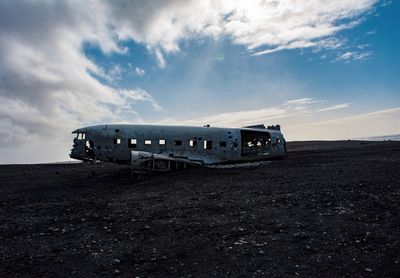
[(278, 25), (291, 45), (115, 73), (263, 27), (334, 107), (160, 58), (301, 101), (302, 108), (140, 71), (354, 56), (386, 3), (134, 96), (376, 123), (237, 119), (305, 124), (48, 86)]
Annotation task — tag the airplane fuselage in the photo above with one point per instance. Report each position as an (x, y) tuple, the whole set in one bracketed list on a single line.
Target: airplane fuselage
[(203, 145)]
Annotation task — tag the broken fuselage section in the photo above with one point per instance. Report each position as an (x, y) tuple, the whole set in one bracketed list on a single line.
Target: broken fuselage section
[(164, 148)]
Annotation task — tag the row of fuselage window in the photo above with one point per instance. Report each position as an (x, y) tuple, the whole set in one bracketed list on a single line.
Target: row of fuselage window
[(207, 144)]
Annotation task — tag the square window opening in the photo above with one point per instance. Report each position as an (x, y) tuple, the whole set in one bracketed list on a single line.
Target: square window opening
[(117, 141), (132, 143), (147, 142), (222, 144), (161, 142), (178, 142)]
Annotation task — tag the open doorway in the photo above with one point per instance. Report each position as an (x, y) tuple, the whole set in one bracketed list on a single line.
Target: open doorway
[(254, 142)]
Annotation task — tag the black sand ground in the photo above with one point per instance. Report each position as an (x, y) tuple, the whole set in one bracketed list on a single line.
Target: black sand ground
[(330, 209)]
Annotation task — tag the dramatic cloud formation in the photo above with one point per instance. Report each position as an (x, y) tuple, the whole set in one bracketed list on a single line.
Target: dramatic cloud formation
[(272, 25), (48, 86), (46, 82)]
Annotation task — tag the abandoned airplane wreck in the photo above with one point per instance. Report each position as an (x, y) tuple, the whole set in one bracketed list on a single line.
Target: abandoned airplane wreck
[(164, 148)]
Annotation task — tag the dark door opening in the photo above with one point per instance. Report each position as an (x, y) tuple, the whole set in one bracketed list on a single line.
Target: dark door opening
[(254, 142)]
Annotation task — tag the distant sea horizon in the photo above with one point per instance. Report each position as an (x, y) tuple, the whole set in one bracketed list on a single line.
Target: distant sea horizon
[(394, 137)]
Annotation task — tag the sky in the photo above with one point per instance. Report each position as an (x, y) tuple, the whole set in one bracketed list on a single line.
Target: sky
[(323, 70)]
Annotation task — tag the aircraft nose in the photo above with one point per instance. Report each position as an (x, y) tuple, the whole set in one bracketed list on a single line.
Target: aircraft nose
[(83, 146), (76, 151)]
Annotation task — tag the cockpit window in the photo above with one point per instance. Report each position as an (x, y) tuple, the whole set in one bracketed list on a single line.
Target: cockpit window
[(80, 136)]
